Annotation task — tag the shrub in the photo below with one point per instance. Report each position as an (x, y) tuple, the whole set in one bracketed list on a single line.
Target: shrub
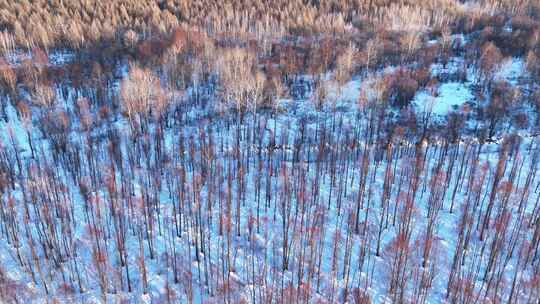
[(141, 93), (44, 96), (401, 87), (490, 61)]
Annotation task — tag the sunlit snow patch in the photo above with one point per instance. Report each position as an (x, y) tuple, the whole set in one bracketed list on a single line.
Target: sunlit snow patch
[(452, 96), (511, 69)]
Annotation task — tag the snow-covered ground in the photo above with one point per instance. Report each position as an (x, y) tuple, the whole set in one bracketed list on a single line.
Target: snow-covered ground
[(55, 58), (321, 215), (451, 96), (511, 70)]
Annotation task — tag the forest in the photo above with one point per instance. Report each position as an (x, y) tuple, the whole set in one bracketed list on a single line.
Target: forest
[(269, 151)]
